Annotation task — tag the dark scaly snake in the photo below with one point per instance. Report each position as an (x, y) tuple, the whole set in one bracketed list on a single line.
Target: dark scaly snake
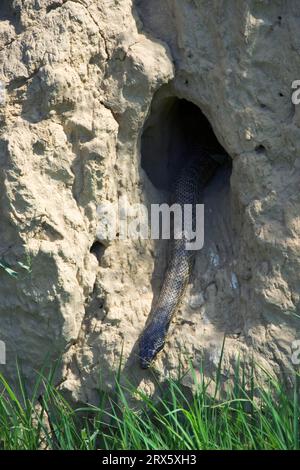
[(188, 189)]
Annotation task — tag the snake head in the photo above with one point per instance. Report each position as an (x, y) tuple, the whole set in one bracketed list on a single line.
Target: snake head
[(152, 341)]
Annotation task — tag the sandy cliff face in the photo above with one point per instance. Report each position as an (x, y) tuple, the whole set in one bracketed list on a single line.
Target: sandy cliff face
[(89, 86)]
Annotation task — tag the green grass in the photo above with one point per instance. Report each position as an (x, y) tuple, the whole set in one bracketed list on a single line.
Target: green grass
[(247, 417), (11, 272)]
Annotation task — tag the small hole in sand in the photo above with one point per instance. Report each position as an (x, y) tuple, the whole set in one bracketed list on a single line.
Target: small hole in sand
[(260, 149), (98, 249)]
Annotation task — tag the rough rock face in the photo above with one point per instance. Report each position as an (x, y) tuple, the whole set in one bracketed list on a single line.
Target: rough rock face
[(86, 86)]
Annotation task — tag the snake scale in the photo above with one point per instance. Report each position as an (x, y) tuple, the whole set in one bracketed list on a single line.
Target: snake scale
[(187, 190)]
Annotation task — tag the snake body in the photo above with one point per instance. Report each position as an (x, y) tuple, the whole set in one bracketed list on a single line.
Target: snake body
[(187, 190)]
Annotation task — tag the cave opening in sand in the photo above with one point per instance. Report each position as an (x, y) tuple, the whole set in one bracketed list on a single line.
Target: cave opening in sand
[(174, 130)]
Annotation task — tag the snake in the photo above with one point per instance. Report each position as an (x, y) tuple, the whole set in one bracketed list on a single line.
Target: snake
[(188, 189)]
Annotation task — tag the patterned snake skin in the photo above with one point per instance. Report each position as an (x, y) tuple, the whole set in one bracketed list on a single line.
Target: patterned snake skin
[(188, 189)]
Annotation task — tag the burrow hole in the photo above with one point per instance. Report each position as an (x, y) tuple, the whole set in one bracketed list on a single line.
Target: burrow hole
[(175, 129), (98, 249)]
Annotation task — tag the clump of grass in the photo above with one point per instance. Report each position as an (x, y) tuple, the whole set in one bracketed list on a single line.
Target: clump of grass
[(248, 417)]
